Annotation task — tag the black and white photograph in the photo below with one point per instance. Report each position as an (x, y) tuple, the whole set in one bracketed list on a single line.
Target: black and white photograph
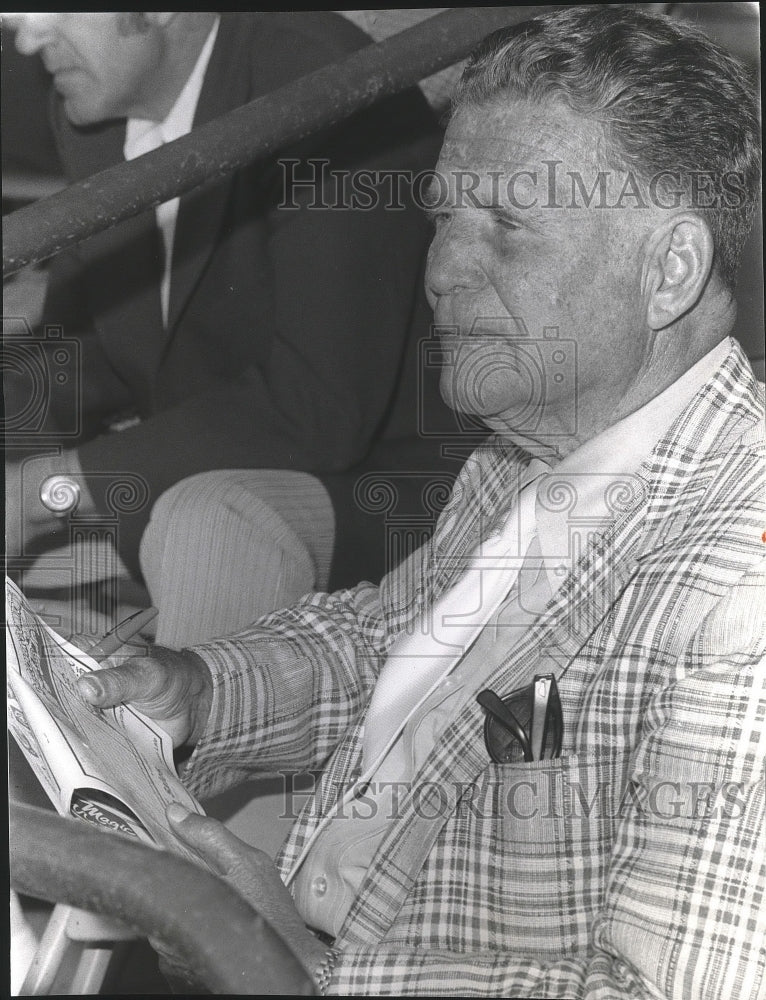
[(385, 522)]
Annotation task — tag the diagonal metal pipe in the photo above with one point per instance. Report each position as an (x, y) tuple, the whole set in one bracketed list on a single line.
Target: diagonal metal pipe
[(252, 132)]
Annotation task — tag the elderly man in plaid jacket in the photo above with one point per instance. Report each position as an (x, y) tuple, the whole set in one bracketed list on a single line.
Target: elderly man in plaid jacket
[(542, 736)]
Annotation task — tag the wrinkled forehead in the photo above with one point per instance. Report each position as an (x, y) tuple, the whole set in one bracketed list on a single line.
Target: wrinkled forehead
[(520, 135), (529, 156)]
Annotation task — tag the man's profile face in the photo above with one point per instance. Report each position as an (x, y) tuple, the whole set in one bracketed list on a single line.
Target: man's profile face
[(529, 263), (102, 66)]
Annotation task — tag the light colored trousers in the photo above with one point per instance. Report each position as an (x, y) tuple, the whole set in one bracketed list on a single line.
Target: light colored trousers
[(224, 548), (221, 550)]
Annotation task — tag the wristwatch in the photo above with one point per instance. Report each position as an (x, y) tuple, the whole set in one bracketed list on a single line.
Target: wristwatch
[(60, 494)]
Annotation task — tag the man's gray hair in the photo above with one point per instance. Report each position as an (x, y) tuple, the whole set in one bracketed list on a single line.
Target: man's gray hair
[(669, 102)]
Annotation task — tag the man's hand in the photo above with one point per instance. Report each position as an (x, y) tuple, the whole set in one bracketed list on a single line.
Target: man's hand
[(253, 874), (174, 689)]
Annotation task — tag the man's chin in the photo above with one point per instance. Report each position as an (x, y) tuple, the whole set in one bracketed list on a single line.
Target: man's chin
[(455, 399), (475, 397), (76, 115), (72, 109), (78, 110)]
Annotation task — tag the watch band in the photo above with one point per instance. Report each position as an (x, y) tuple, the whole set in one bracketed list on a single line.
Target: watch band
[(60, 494)]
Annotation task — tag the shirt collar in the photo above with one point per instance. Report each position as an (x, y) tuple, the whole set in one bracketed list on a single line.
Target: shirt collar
[(143, 134), (575, 496)]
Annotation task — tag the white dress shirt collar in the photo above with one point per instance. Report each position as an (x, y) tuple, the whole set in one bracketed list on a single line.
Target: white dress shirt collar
[(143, 136), (180, 118), (575, 491)]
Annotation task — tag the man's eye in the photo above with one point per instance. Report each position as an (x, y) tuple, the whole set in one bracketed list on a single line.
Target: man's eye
[(438, 218), (505, 223)]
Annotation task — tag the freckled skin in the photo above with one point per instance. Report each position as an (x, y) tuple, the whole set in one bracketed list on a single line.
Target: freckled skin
[(575, 268)]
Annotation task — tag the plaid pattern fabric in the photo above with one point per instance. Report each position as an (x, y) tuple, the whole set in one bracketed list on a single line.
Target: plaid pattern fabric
[(633, 866)]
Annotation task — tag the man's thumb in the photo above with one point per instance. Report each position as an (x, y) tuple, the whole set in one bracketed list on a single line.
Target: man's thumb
[(222, 850), (132, 681)]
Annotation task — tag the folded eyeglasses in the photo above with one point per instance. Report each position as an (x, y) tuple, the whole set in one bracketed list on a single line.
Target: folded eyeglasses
[(526, 725)]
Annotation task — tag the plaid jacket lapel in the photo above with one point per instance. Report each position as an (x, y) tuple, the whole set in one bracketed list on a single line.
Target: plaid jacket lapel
[(340, 773), (674, 482), (674, 479)]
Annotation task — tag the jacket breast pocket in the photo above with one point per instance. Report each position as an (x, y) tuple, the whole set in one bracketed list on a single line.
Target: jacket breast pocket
[(558, 821)]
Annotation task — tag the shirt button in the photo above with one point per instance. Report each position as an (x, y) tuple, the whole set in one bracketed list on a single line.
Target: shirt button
[(319, 885)]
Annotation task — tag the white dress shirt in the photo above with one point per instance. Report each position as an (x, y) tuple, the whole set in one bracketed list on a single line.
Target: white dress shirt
[(143, 135)]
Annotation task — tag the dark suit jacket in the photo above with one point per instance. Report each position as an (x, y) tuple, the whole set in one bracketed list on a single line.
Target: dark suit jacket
[(287, 329)]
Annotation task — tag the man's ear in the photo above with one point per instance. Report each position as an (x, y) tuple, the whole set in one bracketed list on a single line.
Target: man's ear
[(680, 258)]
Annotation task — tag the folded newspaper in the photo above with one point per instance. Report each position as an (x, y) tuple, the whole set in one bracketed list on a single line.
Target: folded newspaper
[(110, 767)]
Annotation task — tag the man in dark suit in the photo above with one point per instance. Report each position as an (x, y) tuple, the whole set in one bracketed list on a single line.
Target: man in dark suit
[(228, 331)]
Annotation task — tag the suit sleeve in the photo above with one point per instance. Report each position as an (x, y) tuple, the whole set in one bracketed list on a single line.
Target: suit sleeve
[(287, 689), (79, 405)]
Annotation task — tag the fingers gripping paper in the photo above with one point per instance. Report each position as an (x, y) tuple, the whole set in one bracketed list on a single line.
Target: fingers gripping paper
[(110, 767)]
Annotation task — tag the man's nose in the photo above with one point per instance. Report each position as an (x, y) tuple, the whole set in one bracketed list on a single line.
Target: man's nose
[(32, 30), (452, 265)]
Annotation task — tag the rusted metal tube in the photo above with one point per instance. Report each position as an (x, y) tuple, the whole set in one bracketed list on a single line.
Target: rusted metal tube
[(256, 130), (195, 915)]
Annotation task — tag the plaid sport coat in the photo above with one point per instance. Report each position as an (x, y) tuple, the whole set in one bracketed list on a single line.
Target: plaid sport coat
[(635, 865)]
